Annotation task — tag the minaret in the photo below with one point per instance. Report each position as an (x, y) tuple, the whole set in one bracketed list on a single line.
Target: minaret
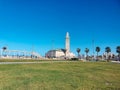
[(67, 43)]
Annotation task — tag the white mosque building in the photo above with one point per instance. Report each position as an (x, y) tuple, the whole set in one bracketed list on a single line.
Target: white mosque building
[(61, 53)]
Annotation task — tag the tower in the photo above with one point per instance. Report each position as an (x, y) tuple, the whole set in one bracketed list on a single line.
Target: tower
[(67, 43)]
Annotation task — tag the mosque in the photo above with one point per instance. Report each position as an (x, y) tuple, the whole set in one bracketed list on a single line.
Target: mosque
[(61, 53)]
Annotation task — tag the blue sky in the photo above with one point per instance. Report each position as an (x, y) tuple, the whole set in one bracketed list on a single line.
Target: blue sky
[(27, 24)]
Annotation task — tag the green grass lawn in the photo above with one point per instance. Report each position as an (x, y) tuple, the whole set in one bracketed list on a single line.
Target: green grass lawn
[(61, 76)]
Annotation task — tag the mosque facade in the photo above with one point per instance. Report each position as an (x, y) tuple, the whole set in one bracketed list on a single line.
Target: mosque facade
[(61, 53)]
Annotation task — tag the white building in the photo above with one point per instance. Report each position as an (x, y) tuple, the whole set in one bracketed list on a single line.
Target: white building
[(61, 53), (16, 54), (58, 53)]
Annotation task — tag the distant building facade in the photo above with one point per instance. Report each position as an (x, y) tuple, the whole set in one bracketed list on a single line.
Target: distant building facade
[(61, 53), (58, 53), (18, 54)]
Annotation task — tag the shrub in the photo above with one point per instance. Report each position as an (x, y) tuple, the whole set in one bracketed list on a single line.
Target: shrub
[(74, 59)]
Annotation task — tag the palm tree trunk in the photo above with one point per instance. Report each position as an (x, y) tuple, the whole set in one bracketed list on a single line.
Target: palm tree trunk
[(107, 58), (78, 55), (119, 56), (65, 55), (86, 56), (97, 56)]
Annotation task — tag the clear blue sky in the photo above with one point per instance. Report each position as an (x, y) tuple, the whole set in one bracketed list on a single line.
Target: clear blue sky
[(27, 23)]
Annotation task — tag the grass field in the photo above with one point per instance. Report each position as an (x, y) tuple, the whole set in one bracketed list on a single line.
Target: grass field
[(61, 76)]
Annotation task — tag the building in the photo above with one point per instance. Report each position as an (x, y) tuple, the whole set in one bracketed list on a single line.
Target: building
[(18, 54), (61, 53), (58, 53)]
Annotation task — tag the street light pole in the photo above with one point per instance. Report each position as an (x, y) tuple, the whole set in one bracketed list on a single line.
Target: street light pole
[(93, 48)]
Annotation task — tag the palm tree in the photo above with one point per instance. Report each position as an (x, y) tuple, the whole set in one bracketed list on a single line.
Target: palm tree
[(78, 51), (118, 51), (86, 50), (107, 50), (97, 50), (4, 48)]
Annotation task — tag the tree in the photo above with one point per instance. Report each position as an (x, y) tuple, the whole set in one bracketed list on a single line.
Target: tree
[(78, 51), (86, 51), (4, 49), (118, 51), (97, 50), (107, 50)]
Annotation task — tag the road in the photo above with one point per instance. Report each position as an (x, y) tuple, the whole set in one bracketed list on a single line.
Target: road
[(35, 62), (45, 62), (115, 61)]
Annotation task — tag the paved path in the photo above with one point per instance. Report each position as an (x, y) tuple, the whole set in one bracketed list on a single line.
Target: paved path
[(44, 62), (115, 61), (34, 62)]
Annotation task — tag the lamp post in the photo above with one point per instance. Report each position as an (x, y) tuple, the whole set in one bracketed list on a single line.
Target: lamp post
[(93, 48)]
